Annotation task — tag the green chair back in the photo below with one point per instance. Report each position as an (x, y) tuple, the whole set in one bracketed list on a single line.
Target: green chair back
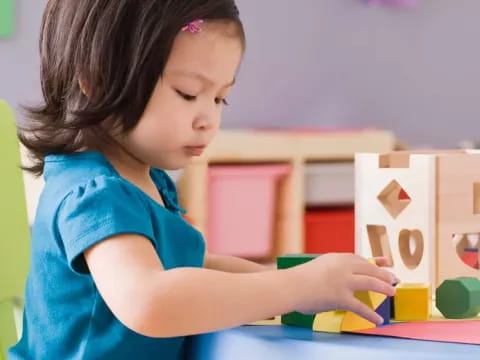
[(14, 229)]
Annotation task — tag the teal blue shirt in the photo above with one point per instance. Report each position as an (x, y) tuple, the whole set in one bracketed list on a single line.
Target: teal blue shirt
[(85, 201)]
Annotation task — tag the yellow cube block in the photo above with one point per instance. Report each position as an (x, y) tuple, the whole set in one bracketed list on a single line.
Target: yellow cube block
[(330, 322), (412, 302)]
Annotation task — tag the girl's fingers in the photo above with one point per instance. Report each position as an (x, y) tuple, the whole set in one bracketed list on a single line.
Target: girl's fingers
[(368, 283), (368, 269), (364, 311), (381, 260)]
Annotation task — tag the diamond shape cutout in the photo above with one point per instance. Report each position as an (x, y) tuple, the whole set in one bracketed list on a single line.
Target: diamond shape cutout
[(394, 198)]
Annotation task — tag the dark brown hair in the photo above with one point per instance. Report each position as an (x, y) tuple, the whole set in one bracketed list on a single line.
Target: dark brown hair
[(120, 49)]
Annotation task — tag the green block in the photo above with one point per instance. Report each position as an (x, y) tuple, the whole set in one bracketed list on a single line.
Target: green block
[(459, 298), (6, 17), (291, 260), (298, 319)]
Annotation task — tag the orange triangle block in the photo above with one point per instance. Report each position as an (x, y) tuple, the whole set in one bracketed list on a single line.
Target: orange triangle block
[(376, 299), (372, 299), (341, 320), (353, 322), (330, 322)]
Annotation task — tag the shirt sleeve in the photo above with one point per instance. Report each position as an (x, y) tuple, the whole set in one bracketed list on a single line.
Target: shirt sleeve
[(101, 208)]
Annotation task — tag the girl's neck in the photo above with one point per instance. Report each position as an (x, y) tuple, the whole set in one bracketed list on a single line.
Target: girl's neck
[(127, 165), (133, 170)]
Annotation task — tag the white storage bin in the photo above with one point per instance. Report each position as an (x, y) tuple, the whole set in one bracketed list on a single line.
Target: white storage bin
[(330, 184)]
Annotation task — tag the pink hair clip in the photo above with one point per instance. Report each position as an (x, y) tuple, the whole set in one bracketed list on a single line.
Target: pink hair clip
[(194, 26)]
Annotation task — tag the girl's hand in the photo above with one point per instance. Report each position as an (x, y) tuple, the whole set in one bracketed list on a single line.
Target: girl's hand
[(329, 282)]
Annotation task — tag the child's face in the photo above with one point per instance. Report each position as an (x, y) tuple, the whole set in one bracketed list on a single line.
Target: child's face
[(184, 112)]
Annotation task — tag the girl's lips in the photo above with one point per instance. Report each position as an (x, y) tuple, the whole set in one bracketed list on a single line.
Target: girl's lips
[(194, 150)]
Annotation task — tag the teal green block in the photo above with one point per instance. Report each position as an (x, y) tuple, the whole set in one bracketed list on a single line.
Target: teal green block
[(291, 260), (6, 17), (298, 319), (459, 298)]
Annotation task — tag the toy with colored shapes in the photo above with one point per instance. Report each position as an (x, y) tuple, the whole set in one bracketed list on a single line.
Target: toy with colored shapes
[(407, 207), (291, 260), (296, 318), (268, 322), (352, 321), (459, 298), (333, 321), (385, 310), (412, 302), (330, 321), (340, 320)]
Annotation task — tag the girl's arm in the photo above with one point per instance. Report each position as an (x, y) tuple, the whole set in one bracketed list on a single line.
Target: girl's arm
[(186, 301), (232, 264), (182, 301)]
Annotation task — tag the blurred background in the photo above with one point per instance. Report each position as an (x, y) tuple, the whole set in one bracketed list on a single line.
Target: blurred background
[(327, 64), (319, 66)]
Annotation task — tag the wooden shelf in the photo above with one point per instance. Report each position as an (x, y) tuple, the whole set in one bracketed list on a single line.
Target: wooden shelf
[(295, 148)]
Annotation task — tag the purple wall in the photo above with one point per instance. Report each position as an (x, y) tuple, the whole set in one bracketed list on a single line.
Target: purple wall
[(341, 63), (329, 63)]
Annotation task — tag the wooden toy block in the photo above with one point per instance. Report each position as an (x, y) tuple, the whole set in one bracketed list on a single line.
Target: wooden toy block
[(384, 310), (291, 260), (288, 261), (412, 302), (340, 320), (277, 320), (370, 298), (330, 321), (392, 308), (333, 320), (352, 321), (414, 207), (298, 319), (459, 298)]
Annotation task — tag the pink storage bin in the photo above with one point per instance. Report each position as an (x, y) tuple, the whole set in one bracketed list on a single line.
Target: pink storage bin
[(241, 209)]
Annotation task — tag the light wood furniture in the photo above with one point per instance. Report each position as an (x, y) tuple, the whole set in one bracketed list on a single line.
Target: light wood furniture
[(295, 148), (420, 209)]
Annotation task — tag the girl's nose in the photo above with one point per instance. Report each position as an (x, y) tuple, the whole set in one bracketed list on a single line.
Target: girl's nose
[(205, 121)]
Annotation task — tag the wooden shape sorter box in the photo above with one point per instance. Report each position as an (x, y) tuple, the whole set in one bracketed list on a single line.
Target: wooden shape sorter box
[(420, 210)]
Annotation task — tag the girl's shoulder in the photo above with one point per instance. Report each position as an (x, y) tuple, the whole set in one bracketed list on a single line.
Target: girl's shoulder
[(82, 176)]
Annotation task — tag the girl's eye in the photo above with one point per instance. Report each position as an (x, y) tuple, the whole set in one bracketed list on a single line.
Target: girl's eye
[(186, 96)]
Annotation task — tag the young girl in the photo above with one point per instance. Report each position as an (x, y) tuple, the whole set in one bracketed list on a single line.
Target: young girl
[(132, 88)]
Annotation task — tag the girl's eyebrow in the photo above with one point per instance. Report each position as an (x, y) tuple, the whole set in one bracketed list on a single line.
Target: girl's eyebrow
[(201, 77)]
